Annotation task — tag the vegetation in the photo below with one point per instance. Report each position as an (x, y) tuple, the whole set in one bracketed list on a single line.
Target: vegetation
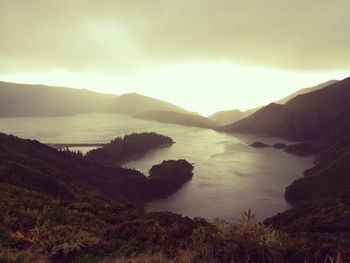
[(322, 197), (40, 229), (123, 148), (168, 177), (53, 210)]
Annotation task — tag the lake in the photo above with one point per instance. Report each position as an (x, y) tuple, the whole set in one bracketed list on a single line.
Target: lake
[(229, 175)]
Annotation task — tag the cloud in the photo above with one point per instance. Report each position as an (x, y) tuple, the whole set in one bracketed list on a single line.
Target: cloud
[(125, 35)]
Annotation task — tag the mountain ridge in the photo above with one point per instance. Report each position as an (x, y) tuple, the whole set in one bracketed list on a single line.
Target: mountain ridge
[(25, 100), (230, 116), (305, 117)]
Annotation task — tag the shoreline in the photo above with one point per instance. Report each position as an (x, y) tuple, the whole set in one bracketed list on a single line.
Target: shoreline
[(139, 155), (60, 146)]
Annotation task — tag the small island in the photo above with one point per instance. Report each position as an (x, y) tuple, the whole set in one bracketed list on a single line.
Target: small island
[(259, 145), (168, 177), (124, 148), (279, 145)]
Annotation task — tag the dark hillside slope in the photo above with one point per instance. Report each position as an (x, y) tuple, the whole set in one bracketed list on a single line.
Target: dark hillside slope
[(35, 166), (309, 116), (330, 178), (322, 197)]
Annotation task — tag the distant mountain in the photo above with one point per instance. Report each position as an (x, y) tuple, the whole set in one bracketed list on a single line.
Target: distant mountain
[(38, 100), (306, 117), (177, 118), (133, 103), (231, 116)]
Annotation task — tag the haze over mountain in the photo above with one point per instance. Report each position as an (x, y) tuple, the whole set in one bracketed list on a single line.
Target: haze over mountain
[(231, 116), (176, 50), (305, 117), (39, 100), (177, 118), (134, 103)]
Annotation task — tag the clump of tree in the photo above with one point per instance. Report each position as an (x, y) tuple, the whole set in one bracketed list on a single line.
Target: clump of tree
[(123, 148), (168, 177)]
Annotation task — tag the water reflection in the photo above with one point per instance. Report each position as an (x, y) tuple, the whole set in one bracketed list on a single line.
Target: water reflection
[(229, 176)]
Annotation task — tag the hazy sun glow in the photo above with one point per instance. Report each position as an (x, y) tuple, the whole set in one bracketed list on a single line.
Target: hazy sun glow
[(202, 55), (204, 88)]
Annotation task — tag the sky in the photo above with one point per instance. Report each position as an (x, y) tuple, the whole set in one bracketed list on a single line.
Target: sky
[(203, 55)]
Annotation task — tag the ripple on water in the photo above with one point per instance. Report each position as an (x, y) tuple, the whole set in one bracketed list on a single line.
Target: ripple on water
[(229, 176)]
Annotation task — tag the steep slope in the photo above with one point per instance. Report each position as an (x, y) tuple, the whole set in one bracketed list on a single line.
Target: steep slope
[(330, 178), (177, 118), (133, 103), (322, 197), (39, 100), (231, 116), (306, 117), (37, 167)]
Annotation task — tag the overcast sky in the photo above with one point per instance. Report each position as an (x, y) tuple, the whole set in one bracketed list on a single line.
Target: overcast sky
[(204, 55)]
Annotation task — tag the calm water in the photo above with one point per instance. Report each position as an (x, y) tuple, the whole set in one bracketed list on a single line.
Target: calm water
[(229, 176)]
